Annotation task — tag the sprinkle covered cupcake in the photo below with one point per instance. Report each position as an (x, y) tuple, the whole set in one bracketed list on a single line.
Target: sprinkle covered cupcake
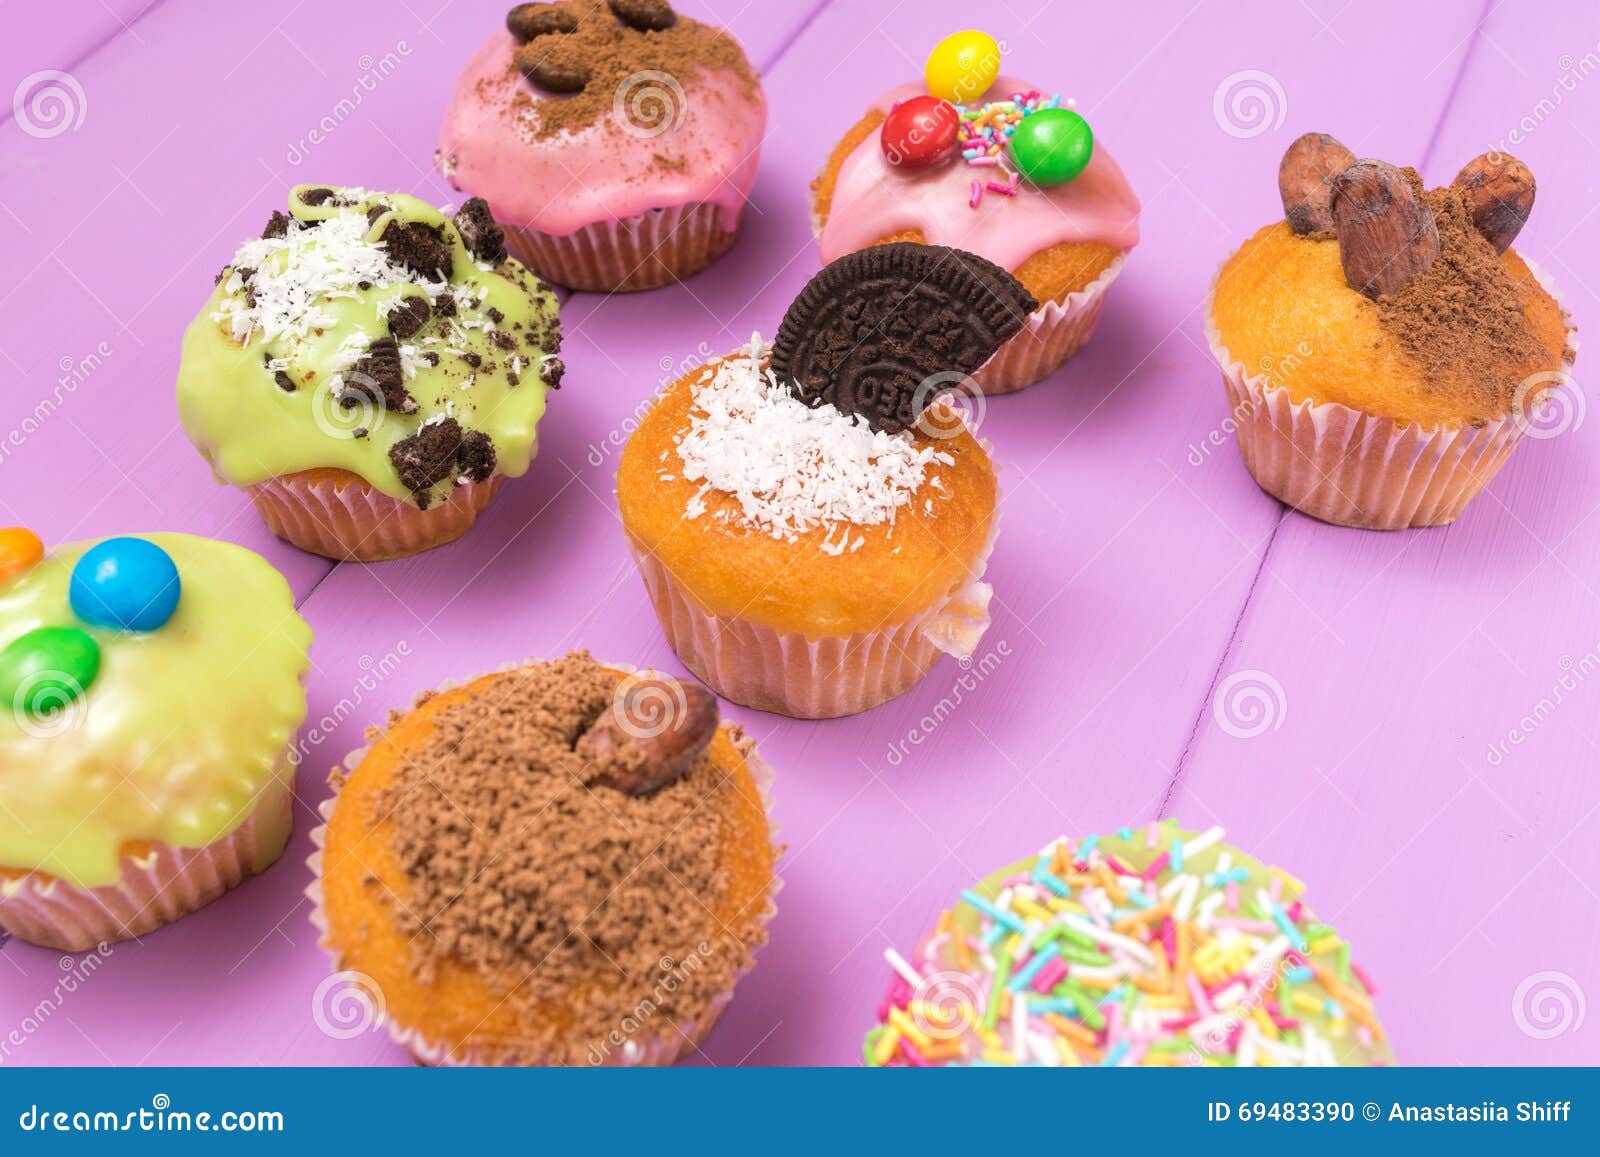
[(812, 519), (370, 370), (149, 693), (616, 142), (1152, 947), (1383, 347), (998, 167), (560, 863)]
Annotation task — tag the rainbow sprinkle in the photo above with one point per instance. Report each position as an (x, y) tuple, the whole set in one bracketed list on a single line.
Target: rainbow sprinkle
[(985, 135), (1157, 947)]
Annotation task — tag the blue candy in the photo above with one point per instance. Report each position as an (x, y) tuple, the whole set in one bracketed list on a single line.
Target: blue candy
[(126, 583)]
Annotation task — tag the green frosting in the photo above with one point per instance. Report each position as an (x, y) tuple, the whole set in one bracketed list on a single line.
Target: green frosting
[(183, 731), (302, 308)]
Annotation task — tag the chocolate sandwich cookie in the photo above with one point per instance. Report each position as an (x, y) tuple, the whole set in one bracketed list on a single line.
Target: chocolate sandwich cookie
[(869, 331)]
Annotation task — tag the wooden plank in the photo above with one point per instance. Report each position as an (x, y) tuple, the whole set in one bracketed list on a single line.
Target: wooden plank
[(1433, 775)]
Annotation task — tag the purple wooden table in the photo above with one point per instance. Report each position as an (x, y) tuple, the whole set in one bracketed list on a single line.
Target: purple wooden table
[(1429, 756)]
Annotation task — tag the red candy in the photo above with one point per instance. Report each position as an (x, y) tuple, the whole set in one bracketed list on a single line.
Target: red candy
[(920, 132)]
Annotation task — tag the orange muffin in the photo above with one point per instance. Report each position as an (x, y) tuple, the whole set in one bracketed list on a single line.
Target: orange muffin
[(1005, 172), (1383, 347), (812, 536), (555, 864)]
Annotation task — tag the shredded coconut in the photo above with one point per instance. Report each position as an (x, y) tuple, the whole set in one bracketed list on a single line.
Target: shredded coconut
[(297, 273), (791, 468)]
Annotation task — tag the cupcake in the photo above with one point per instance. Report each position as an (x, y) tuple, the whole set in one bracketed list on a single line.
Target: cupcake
[(812, 519), (149, 693), (1383, 347), (560, 863), (998, 167), (370, 370), (1157, 947), (616, 143)]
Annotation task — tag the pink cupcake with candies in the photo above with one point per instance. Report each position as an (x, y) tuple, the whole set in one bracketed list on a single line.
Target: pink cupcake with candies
[(996, 166), (615, 141)]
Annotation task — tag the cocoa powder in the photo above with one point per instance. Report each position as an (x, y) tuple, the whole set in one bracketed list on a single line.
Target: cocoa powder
[(570, 898), (606, 52), (1462, 319)]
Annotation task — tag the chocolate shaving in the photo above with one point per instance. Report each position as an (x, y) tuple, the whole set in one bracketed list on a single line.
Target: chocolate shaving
[(277, 225), (476, 457)]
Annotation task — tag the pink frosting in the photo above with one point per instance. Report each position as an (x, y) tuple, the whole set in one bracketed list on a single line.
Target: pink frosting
[(873, 199), (564, 182)]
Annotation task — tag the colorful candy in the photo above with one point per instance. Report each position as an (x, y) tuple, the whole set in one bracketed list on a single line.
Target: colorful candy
[(46, 669), (962, 66), (20, 549), (920, 132), (1052, 146), (129, 584)]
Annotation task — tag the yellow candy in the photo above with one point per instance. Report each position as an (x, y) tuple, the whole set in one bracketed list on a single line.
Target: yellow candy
[(962, 66)]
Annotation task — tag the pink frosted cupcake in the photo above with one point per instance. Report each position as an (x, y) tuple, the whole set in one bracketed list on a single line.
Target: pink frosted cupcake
[(998, 167), (149, 693), (616, 143)]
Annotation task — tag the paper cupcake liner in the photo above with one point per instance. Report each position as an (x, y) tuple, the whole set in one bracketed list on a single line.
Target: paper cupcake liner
[(347, 520), (1052, 334), (157, 888), (644, 1048), (1355, 469), (653, 249), (823, 678)]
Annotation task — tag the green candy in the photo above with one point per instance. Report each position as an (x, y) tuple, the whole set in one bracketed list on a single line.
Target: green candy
[(1052, 146), (46, 669)]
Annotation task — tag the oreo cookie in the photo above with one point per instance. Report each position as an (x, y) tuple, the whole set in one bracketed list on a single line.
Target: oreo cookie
[(873, 327)]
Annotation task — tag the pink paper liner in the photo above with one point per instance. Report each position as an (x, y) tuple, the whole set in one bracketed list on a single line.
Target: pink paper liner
[(156, 889), (1052, 334), (350, 521), (1350, 468), (644, 1048), (644, 252), (822, 678)]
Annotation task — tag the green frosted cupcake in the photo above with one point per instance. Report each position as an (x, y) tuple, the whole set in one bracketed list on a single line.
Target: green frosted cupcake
[(369, 370)]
